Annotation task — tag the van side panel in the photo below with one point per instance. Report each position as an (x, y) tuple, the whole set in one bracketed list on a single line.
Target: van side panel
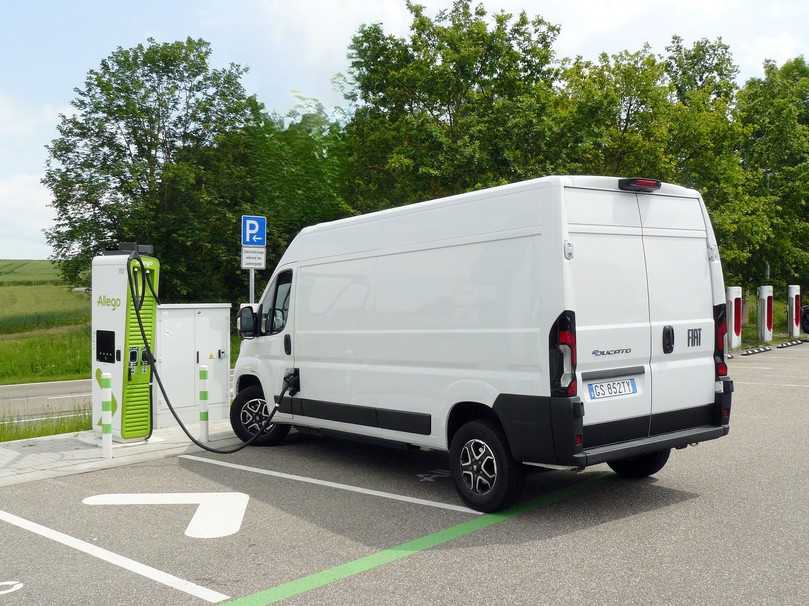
[(400, 335)]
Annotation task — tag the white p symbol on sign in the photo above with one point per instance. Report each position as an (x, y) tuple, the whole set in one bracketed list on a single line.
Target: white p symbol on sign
[(251, 229)]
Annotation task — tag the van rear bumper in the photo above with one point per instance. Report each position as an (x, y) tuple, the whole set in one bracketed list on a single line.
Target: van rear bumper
[(551, 430), (622, 450)]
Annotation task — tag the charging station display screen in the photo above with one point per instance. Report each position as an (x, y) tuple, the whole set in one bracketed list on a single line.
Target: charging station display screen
[(105, 346)]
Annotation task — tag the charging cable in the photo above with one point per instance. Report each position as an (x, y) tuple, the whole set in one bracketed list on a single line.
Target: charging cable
[(137, 302)]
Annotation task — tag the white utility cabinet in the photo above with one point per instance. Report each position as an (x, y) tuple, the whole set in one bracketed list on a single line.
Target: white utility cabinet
[(189, 335)]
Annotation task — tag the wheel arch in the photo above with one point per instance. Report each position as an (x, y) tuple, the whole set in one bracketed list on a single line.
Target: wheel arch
[(463, 412), (248, 380)]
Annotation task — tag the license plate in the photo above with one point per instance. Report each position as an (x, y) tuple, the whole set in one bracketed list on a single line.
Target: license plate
[(612, 389)]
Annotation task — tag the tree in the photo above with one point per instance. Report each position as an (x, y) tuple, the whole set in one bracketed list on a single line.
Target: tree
[(616, 116), (136, 113), (706, 67), (775, 113), (462, 103), (284, 169)]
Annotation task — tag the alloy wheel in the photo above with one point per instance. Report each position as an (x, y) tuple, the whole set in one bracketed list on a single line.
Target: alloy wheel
[(252, 414), (478, 467)]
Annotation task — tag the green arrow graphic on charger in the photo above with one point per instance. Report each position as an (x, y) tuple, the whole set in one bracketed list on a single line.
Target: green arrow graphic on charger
[(114, 401)]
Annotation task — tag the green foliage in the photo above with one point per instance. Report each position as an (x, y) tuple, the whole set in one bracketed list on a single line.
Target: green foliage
[(462, 104), (287, 173), (465, 100), (470, 100), (776, 153), (136, 112)]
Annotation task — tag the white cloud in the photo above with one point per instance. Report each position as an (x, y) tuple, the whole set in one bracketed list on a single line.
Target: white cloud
[(304, 43), (25, 129), (25, 211)]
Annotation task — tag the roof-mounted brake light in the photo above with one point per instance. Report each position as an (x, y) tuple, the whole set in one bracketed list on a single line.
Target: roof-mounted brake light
[(639, 184)]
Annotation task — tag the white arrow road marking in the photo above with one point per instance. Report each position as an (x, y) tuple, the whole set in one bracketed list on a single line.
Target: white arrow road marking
[(10, 587), (219, 514)]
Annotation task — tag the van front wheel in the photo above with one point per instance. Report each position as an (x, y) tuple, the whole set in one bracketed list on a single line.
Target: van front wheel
[(246, 414), (485, 475), (641, 466)]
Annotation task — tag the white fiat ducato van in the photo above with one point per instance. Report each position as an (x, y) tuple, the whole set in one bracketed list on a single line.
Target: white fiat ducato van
[(561, 321)]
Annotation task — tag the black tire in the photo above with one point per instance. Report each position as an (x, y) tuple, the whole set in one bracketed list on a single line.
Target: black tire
[(486, 476), (244, 416), (641, 466)]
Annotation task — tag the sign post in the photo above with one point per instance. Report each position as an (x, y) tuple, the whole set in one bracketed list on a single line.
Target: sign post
[(254, 248)]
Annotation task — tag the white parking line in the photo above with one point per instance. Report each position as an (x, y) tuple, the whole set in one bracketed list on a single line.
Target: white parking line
[(337, 485), (113, 558), (772, 384)]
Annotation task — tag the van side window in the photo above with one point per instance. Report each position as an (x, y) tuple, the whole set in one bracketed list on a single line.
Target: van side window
[(280, 302)]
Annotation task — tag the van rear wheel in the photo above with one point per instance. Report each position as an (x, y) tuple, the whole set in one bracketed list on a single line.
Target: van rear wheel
[(485, 475), (246, 413), (641, 466)]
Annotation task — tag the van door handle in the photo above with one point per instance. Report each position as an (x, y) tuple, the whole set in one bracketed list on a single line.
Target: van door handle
[(668, 339), (287, 345)]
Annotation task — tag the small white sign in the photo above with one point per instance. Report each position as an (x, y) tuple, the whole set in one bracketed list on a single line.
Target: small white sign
[(254, 257)]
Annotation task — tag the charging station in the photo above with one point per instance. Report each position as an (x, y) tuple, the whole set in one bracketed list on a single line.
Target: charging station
[(765, 314), (793, 311), (734, 316), (117, 345), (181, 338)]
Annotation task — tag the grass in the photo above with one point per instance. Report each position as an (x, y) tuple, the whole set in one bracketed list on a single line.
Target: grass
[(56, 354), (44, 325), (27, 308), (24, 272), (779, 323), (20, 429)]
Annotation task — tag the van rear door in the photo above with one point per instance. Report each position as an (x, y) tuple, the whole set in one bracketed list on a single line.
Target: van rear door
[(608, 276), (681, 311)]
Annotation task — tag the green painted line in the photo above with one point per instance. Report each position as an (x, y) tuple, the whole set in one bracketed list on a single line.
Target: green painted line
[(106, 428), (203, 374), (386, 556), (203, 395), (203, 415), (106, 383), (106, 405)]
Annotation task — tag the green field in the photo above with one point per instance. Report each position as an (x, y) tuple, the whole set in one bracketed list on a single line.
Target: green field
[(28, 273), (44, 325), (28, 308)]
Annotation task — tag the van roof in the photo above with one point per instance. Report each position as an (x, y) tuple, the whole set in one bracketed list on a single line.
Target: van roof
[(582, 181)]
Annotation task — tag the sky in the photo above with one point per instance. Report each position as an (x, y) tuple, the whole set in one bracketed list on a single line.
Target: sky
[(296, 48)]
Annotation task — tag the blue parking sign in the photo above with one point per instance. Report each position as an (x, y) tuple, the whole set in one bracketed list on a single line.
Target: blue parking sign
[(254, 230)]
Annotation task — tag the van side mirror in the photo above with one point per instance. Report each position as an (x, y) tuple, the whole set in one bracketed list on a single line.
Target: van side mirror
[(247, 323)]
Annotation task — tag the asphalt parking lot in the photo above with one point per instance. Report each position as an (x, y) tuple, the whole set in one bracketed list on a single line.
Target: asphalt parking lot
[(332, 521)]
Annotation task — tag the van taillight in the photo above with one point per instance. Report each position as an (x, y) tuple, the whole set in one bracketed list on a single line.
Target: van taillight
[(563, 355), (720, 329)]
